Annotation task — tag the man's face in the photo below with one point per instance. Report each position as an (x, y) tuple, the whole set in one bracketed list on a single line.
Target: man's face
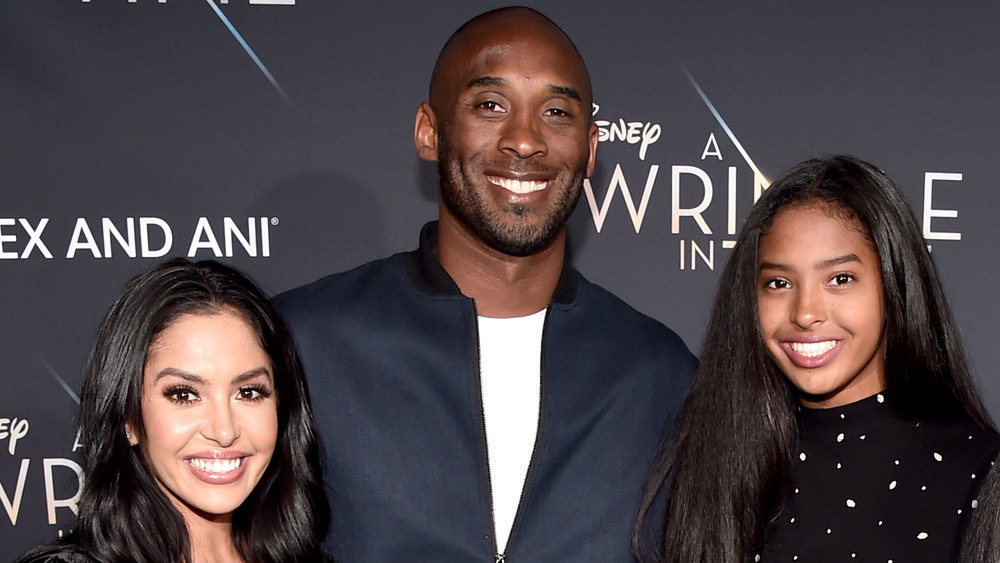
[(515, 136)]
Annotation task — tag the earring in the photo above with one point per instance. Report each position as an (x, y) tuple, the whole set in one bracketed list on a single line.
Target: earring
[(128, 435)]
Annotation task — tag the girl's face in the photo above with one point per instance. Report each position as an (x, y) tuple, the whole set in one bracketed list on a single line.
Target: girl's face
[(819, 293), (209, 412)]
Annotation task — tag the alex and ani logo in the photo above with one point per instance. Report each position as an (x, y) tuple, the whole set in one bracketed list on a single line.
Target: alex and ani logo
[(136, 237)]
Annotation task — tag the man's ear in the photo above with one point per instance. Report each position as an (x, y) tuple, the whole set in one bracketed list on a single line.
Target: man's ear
[(592, 146), (425, 133)]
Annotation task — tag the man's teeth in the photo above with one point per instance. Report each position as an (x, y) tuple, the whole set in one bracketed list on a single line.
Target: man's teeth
[(216, 465), (813, 349), (519, 186)]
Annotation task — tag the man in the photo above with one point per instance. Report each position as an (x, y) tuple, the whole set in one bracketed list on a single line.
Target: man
[(478, 399)]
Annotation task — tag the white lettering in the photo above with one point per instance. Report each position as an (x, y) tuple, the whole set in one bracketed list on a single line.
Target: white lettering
[(15, 429), (204, 229), (265, 237), (696, 252), (641, 133), (711, 148), (13, 507), (676, 212), (82, 230), (731, 210), (760, 183), (35, 237), (168, 236), (618, 180), (111, 231), (650, 134), (708, 260), (249, 242), (6, 254), (53, 503), (930, 213), (634, 128)]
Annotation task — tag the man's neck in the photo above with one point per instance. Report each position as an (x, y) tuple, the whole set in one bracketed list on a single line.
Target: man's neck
[(502, 285)]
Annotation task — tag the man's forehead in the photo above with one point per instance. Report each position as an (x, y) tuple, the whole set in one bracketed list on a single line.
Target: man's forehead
[(481, 43), (548, 52), (508, 39)]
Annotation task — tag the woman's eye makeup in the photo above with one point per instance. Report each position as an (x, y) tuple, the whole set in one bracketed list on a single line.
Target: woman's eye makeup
[(181, 394), (254, 392)]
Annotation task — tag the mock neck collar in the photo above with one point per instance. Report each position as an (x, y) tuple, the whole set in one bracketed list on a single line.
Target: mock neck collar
[(427, 273)]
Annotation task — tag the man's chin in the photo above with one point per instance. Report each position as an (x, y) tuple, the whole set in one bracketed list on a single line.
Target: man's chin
[(520, 244)]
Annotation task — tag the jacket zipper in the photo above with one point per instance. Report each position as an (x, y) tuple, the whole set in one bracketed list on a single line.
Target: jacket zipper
[(499, 556)]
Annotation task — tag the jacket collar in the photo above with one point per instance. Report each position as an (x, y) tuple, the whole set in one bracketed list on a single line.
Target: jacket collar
[(429, 276)]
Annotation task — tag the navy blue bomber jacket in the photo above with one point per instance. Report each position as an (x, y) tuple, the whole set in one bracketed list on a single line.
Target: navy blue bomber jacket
[(391, 356)]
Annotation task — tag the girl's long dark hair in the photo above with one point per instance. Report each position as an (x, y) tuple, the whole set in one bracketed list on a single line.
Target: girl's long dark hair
[(982, 537), (123, 514), (726, 470)]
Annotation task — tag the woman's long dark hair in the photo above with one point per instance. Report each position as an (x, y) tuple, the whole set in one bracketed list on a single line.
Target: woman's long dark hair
[(726, 471), (123, 515)]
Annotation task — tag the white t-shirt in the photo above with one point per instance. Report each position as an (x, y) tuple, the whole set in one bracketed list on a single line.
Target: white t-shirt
[(510, 356)]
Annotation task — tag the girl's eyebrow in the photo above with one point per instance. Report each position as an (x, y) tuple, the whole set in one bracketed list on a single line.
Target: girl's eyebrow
[(773, 266), (838, 261), (822, 264)]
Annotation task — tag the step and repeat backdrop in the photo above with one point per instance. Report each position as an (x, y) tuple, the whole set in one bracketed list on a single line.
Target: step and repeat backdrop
[(276, 135)]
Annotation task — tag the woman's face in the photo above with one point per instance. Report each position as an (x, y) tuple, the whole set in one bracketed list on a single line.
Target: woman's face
[(819, 293), (210, 413)]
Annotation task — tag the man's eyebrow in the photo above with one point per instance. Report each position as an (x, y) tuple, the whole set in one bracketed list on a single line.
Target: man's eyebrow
[(482, 81), (495, 81), (567, 91)]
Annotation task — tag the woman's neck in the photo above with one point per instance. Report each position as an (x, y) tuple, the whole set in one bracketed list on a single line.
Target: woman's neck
[(211, 539)]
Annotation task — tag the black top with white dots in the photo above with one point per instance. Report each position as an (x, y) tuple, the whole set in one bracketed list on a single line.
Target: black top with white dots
[(869, 486)]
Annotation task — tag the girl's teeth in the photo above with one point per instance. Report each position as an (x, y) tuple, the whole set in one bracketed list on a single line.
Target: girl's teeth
[(813, 349)]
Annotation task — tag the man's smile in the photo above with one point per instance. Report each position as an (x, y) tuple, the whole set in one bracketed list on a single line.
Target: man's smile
[(518, 186)]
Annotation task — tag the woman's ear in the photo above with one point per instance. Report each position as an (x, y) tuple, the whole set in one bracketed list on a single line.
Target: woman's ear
[(130, 435)]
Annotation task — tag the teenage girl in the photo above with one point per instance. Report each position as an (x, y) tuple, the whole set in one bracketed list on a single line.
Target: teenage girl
[(833, 416)]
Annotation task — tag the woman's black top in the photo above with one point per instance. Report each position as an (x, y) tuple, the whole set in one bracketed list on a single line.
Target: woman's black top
[(869, 485)]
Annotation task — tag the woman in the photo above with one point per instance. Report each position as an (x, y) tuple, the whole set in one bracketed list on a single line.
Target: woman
[(833, 416), (200, 444)]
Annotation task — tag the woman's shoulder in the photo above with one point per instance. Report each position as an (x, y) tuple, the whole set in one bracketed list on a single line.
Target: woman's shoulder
[(54, 553)]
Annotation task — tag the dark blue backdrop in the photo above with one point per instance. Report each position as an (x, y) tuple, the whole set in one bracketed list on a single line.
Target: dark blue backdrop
[(278, 137)]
